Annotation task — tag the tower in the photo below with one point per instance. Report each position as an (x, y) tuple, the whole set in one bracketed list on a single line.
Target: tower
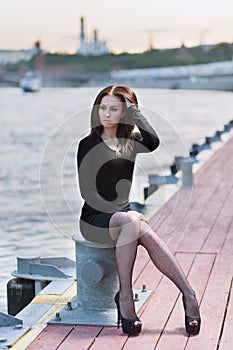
[(82, 33), (95, 36), (94, 48)]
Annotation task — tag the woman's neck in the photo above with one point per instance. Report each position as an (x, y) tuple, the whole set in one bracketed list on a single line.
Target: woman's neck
[(109, 133)]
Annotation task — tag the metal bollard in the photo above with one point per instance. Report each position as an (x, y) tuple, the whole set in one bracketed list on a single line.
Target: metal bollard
[(97, 275), (187, 174), (20, 293)]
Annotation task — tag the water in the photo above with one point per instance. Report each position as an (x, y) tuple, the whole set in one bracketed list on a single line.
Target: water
[(39, 201)]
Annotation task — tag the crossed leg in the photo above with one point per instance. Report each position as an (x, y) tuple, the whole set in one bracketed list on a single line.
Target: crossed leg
[(129, 230)]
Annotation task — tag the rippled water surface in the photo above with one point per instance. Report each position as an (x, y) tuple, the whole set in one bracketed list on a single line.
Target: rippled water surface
[(39, 201)]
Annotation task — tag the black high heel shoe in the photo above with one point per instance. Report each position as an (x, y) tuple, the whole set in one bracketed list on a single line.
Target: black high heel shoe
[(131, 326), (192, 329)]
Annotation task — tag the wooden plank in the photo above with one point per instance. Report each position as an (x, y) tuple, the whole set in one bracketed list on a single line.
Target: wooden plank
[(173, 335), (200, 222), (110, 338), (227, 336), (81, 337), (175, 218), (150, 276), (218, 235), (51, 337), (228, 244), (176, 238), (219, 161), (142, 260), (193, 240), (227, 247), (220, 228), (213, 305), (113, 338), (192, 216), (157, 310)]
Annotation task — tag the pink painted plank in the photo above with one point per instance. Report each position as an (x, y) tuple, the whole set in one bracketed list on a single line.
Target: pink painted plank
[(192, 216), (81, 337), (51, 337), (217, 235), (142, 260), (198, 278), (193, 240), (213, 305), (109, 338), (157, 311), (227, 336), (113, 338), (228, 244), (220, 160), (150, 276)]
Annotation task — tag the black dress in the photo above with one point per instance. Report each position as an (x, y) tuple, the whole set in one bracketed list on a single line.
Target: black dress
[(105, 179)]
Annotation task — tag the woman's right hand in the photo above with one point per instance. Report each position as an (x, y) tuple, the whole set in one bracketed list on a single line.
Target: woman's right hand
[(128, 103), (139, 215)]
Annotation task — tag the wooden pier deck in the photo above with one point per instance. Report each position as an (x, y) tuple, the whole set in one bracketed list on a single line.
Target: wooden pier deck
[(203, 244)]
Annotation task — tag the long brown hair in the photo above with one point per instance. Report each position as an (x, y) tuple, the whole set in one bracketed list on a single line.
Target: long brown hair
[(125, 128)]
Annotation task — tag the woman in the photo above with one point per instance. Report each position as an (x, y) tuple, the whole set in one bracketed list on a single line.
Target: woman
[(106, 160)]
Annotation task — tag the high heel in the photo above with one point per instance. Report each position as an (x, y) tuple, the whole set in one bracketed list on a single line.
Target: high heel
[(191, 329), (130, 326)]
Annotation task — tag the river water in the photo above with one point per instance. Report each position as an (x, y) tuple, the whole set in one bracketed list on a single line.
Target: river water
[(39, 132)]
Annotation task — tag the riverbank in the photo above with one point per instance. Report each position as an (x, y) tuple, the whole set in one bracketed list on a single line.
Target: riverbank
[(52, 79)]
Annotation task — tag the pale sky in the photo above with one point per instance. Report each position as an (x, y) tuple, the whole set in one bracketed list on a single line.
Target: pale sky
[(126, 25)]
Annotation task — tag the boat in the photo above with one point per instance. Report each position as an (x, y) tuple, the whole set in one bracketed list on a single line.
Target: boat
[(30, 82)]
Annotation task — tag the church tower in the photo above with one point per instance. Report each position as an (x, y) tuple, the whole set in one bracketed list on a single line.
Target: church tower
[(94, 48), (82, 34)]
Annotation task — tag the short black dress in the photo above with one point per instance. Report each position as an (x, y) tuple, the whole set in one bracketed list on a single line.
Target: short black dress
[(105, 179)]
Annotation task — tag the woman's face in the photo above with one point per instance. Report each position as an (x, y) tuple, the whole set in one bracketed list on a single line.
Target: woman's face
[(110, 111)]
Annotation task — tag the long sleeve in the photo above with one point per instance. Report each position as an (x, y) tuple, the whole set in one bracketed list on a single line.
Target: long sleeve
[(149, 138)]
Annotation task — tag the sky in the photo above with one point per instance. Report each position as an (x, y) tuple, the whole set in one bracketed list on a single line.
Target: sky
[(126, 25)]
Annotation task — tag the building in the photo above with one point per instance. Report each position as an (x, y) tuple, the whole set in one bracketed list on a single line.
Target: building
[(94, 48), (14, 56)]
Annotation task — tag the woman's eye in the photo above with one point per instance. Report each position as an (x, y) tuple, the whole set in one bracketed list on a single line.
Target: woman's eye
[(102, 107), (114, 109)]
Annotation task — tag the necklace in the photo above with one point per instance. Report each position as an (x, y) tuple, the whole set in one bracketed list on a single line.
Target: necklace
[(114, 145), (118, 153)]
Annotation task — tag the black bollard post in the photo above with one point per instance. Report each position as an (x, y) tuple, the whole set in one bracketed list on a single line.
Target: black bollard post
[(20, 293)]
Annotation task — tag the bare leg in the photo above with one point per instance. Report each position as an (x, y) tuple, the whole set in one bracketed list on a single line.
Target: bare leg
[(166, 262)]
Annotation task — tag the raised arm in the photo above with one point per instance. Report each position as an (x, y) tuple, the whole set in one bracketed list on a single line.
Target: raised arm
[(149, 138)]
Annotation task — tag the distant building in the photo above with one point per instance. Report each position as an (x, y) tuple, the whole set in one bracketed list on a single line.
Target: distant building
[(94, 48), (183, 53), (14, 56)]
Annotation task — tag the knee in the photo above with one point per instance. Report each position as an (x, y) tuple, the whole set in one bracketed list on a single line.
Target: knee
[(130, 227), (124, 224), (132, 219)]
